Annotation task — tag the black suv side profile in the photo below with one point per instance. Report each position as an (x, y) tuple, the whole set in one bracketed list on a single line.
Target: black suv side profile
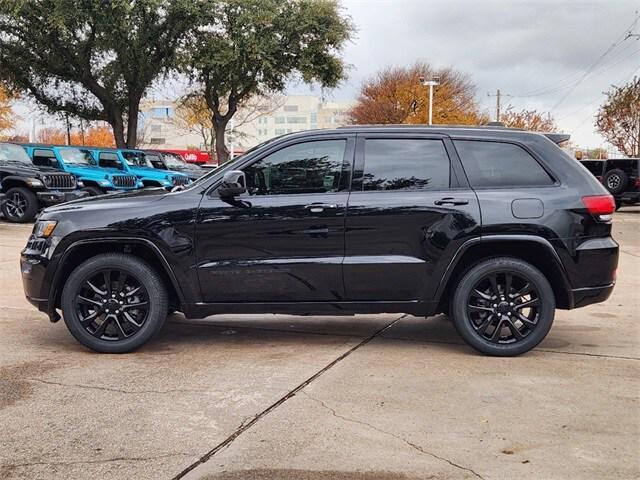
[(495, 227), (29, 188)]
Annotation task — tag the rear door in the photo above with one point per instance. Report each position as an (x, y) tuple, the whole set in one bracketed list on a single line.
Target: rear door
[(409, 210)]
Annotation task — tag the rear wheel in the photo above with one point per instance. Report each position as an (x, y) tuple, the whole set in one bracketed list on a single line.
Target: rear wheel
[(114, 303), (616, 181), (20, 205), (503, 306)]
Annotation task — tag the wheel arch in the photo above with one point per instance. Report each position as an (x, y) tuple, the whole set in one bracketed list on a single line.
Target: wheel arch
[(11, 181), (534, 250), (82, 250)]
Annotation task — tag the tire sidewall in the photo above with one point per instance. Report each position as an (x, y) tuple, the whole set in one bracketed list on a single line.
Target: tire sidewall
[(622, 181), (30, 210), (158, 302), (501, 265)]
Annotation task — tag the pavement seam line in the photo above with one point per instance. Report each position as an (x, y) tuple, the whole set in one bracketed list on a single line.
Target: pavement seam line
[(106, 460), (244, 426), (391, 434)]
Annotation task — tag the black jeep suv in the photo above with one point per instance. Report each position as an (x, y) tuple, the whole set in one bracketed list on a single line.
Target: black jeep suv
[(28, 188), (495, 227), (620, 176)]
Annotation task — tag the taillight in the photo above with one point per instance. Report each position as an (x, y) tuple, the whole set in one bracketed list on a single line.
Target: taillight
[(600, 206)]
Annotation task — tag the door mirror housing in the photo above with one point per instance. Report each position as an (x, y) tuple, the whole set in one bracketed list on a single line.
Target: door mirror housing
[(233, 183)]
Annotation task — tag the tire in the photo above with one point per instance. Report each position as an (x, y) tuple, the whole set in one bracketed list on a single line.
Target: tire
[(618, 204), (93, 191), (20, 205), (110, 330), (615, 181), (479, 311)]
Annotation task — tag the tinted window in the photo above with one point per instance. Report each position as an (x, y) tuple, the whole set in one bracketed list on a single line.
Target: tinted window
[(312, 167), (405, 164), (494, 164)]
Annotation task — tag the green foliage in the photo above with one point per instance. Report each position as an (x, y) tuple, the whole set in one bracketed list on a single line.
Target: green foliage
[(93, 59), (254, 47)]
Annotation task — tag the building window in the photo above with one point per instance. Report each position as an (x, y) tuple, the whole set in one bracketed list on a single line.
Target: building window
[(280, 131), (156, 128), (280, 120), (290, 108), (161, 112), (296, 120), (157, 141)]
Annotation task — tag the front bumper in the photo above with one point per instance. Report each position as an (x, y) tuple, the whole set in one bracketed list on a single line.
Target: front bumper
[(53, 197)]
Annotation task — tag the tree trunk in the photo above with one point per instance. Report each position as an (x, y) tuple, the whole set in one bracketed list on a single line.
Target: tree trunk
[(219, 127), (132, 123), (117, 125)]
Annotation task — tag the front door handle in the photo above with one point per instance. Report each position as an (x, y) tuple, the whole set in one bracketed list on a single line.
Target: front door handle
[(452, 201), (319, 207)]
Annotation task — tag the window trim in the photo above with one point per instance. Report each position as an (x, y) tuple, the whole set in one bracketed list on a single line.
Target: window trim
[(532, 154), (359, 162)]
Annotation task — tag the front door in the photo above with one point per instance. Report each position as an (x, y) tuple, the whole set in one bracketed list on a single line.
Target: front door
[(410, 209), (282, 241)]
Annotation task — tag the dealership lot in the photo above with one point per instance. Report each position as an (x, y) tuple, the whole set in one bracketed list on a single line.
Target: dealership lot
[(273, 396)]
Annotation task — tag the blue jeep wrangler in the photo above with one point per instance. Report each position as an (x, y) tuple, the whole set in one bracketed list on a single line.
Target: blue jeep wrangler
[(135, 162), (79, 162)]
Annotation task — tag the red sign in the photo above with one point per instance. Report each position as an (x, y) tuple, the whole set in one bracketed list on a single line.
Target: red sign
[(192, 156)]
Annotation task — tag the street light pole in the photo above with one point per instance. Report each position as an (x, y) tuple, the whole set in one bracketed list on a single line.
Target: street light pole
[(433, 82)]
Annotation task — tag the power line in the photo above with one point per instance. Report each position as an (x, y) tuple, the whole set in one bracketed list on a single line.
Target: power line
[(622, 38)]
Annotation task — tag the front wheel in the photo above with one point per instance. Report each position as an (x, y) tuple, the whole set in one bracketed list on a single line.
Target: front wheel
[(503, 306), (20, 205), (114, 303)]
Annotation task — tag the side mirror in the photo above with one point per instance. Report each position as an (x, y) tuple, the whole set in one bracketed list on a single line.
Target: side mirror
[(233, 184)]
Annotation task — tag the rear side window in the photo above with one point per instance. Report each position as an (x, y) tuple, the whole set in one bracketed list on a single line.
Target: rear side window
[(405, 164), (495, 164)]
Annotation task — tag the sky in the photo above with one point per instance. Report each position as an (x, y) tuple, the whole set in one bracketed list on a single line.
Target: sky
[(553, 56)]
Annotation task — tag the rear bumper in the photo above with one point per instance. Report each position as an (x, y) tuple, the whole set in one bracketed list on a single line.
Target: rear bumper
[(587, 296), (54, 197)]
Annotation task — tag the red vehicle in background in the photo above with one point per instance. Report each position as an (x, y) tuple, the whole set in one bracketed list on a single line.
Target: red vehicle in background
[(192, 156)]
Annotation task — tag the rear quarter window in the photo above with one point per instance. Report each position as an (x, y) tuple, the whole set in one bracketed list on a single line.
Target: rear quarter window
[(498, 164)]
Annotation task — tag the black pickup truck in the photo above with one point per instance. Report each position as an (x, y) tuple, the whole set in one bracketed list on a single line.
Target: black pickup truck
[(619, 176), (28, 188)]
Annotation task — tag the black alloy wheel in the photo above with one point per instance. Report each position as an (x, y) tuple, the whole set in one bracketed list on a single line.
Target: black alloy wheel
[(114, 302), (20, 205), (503, 306)]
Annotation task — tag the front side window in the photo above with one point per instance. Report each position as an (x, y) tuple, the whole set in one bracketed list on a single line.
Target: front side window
[(311, 167), (109, 160), (496, 164), (76, 156), (405, 164)]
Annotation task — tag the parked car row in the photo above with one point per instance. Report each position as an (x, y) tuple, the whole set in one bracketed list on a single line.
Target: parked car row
[(34, 176), (618, 175)]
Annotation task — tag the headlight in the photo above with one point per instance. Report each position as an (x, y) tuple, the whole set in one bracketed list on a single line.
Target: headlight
[(34, 182), (80, 184), (104, 183), (45, 228)]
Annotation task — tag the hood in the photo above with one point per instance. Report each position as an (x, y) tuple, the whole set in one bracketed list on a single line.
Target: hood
[(25, 169), (92, 172), (120, 200)]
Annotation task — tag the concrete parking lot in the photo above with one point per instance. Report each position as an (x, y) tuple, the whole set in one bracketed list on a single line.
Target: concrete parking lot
[(366, 397)]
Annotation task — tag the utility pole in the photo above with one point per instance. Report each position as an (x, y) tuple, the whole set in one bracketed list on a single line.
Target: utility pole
[(498, 96), (433, 82)]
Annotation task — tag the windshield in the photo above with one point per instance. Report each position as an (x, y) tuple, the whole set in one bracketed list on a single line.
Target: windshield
[(76, 156), (173, 160), (13, 153), (136, 159)]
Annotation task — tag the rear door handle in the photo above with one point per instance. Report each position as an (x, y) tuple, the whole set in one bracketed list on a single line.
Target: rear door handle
[(319, 207), (452, 201)]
